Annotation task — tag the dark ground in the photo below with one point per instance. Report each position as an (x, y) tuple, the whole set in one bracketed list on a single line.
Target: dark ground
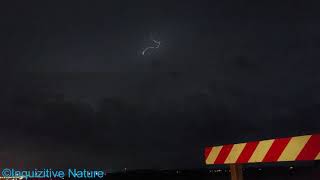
[(284, 173), (308, 171)]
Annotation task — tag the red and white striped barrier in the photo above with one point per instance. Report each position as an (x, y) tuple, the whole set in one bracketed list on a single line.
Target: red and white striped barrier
[(297, 148)]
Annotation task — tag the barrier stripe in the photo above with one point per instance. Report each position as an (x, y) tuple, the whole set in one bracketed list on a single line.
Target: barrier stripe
[(223, 154), (211, 158), (235, 153), (207, 152), (247, 152), (311, 149), (297, 148), (261, 151), (276, 149), (293, 148), (318, 157)]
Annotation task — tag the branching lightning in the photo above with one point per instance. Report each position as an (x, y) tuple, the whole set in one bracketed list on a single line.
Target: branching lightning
[(157, 42)]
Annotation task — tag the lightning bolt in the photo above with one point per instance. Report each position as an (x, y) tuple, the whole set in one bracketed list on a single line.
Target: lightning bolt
[(151, 47), (157, 42), (146, 49)]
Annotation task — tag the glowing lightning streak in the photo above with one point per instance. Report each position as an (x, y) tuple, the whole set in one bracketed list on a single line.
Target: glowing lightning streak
[(146, 49), (158, 43), (151, 47)]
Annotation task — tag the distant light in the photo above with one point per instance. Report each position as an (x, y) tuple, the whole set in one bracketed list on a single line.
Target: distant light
[(260, 169), (291, 167)]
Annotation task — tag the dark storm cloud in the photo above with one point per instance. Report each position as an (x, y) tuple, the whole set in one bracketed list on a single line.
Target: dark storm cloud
[(75, 84)]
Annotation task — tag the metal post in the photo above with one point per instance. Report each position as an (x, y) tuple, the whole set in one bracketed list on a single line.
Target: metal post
[(236, 172)]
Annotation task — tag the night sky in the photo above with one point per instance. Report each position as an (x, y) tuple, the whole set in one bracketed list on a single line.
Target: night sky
[(77, 92)]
